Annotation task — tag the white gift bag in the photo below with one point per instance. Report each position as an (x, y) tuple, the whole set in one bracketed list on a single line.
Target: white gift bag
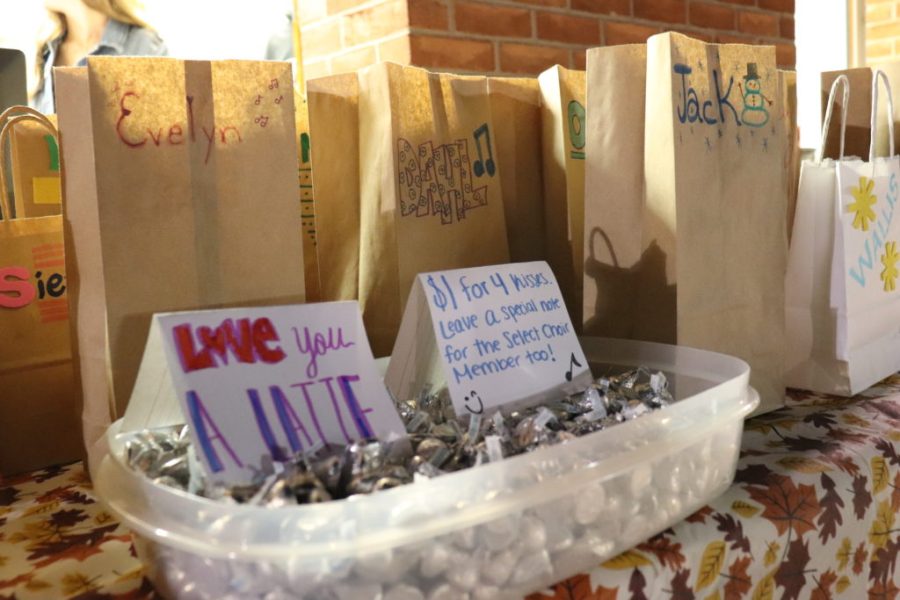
[(867, 258), (815, 285)]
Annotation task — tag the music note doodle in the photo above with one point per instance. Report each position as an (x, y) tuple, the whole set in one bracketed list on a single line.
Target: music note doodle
[(480, 165), (572, 361), (273, 84)]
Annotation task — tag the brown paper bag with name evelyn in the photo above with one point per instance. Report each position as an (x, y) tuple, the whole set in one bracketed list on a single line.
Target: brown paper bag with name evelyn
[(614, 252), (334, 144), (430, 186), (183, 196), (716, 196), (517, 132), (563, 151)]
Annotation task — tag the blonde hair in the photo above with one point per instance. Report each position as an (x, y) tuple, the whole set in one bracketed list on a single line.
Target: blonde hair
[(119, 10)]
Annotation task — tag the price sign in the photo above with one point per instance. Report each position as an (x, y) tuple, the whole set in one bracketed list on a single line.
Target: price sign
[(494, 335)]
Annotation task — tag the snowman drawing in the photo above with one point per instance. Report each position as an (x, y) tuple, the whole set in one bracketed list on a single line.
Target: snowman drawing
[(754, 113)]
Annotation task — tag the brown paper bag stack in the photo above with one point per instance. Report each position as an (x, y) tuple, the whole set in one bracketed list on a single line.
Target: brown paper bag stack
[(685, 218), (39, 410), (334, 137), (716, 195), (614, 253), (430, 186), (516, 102), (183, 195), (563, 151), (859, 113), (307, 202)]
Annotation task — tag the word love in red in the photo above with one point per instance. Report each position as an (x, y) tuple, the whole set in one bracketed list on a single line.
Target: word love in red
[(244, 340)]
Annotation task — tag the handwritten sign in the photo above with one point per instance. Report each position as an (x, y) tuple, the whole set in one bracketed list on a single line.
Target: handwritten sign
[(267, 383), (497, 335)]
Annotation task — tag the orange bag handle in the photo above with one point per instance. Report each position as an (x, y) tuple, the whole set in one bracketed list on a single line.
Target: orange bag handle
[(9, 118)]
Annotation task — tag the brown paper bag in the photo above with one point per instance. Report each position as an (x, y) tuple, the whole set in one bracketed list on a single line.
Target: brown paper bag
[(614, 189), (714, 169), (563, 150), (35, 169), (183, 195), (430, 186), (307, 202), (787, 83), (39, 411), (517, 135), (859, 112), (334, 135)]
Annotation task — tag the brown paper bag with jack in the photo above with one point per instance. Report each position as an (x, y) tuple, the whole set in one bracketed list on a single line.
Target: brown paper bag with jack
[(716, 201)]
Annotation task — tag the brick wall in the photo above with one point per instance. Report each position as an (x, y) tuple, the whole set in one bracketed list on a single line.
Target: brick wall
[(882, 31), (522, 36)]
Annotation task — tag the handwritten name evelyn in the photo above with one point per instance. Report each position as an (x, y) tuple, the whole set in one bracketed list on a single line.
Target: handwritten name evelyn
[(135, 132), (302, 408)]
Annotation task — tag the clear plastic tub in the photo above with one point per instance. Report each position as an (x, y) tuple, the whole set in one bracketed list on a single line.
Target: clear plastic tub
[(495, 531)]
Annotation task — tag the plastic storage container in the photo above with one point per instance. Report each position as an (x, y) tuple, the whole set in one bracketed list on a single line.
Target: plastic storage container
[(495, 531)]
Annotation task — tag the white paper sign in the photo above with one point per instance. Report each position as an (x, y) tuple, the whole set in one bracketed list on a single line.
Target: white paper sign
[(255, 383), (496, 335)]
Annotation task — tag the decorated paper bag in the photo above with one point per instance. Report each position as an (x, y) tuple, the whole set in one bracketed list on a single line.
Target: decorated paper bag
[(34, 158), (334, 137), (183, 195), (614, 190), (716, 196), (430, 186), (563, 151), (39, 411), (517, 129), (812, 323), (866, 262)]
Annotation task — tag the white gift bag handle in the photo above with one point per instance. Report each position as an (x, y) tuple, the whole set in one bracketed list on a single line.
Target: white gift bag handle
[(826, 124), (879, 74)]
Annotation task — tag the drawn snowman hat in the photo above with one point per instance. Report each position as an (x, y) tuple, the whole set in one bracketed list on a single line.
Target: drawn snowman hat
[(752, 72)]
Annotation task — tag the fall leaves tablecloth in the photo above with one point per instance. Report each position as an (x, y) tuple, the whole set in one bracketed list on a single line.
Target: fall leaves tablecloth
[(813, 514)]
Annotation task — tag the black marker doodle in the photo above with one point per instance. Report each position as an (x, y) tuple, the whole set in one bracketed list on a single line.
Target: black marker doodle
[(473, 396), (572, 361)]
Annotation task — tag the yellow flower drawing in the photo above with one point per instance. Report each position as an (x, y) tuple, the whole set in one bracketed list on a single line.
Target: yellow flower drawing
[(889, 260), (865, 199)]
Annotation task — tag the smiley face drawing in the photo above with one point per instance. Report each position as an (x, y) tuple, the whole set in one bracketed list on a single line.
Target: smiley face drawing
[(473, 403)]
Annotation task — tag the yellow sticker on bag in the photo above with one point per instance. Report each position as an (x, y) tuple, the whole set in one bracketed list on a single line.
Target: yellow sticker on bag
[(46, 190)]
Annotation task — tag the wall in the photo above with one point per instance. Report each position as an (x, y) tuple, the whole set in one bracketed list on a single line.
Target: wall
[(522, 36), (882, 31)]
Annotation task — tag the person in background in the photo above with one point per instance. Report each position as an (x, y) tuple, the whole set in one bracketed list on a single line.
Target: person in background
[(89, 28)]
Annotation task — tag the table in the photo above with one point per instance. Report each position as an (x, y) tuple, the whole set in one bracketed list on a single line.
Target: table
[(812, 514)]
